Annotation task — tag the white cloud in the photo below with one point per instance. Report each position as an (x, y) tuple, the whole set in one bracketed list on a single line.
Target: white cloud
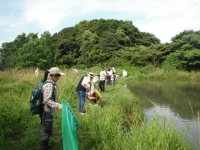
[(163, 18), (170, 20)]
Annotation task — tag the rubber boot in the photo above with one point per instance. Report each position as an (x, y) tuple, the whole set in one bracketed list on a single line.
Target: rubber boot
[(44, 145)]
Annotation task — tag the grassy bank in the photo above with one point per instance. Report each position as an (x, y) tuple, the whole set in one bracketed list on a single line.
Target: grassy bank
[(118, 124)]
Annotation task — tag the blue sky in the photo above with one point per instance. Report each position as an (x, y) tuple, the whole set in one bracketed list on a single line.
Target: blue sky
[(163, 18)]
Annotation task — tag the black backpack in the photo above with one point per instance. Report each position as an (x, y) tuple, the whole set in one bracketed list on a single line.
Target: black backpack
[(36, 99)]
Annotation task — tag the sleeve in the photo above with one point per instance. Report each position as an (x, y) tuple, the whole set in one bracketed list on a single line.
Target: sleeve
[(98, 94)]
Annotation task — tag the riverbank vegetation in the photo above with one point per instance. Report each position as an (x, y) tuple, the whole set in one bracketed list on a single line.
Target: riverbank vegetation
[(118, 123)]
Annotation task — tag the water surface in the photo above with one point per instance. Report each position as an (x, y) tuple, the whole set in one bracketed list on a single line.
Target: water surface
[(177, 101)]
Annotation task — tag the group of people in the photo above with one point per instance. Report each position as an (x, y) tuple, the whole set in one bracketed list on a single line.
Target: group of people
[(110, 76), (85, 89)]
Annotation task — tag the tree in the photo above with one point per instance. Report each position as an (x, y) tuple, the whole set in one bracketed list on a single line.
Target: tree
[(124, 40)]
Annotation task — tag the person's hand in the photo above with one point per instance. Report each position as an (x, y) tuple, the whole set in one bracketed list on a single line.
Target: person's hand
[(60, 107)]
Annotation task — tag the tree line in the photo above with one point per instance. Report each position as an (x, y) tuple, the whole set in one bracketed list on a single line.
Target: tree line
[(100, 42)]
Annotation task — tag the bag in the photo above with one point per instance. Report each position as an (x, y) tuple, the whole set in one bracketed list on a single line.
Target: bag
[(107, 75), (36, 99)]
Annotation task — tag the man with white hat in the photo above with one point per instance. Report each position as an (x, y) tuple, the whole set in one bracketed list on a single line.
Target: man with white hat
[(81, 89)]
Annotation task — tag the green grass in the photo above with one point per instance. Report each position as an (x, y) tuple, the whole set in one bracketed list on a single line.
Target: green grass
[(118, 124)]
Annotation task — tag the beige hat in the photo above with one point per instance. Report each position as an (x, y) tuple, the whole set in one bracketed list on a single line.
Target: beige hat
[(55, 70), (90, 74)]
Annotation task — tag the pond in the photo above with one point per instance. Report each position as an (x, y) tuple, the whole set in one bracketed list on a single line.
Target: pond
[(176, 101)]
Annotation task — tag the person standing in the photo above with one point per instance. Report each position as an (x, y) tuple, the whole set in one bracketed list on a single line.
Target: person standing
[(112, 79), (37, 72), (108, 76), (50, 103), (81, 89), (102, 79)]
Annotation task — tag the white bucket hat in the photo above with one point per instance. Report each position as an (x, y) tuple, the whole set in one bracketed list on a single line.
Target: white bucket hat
[(90, 74)]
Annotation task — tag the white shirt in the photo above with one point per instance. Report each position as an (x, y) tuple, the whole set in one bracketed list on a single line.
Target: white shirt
[(102, 75), (110, 72), (85, 82)]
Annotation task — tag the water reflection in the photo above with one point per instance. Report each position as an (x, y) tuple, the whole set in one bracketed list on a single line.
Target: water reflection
[(177, 101)]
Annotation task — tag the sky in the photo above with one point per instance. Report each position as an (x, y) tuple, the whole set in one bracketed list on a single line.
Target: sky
[(162, 18)]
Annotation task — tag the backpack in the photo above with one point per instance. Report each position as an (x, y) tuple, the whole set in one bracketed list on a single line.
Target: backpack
[(36, 99)]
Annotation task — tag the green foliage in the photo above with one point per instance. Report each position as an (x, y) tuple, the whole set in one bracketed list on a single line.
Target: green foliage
[(99, 41), (124, 39), (35, 53), (170, 64)]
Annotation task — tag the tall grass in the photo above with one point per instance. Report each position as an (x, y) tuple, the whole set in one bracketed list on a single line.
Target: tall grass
[(117, 124), (156, 73)]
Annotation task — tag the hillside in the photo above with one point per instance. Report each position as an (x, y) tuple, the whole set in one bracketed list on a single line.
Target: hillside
[(100, 42)]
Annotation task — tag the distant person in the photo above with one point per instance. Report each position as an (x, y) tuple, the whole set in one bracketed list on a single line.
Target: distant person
[(113, 69), (81, 89), (124, 73), (117, 77), (102, 79), (94, 95), (50, 103), (112, 79), (76, 71), (37, 72), (108, 76)]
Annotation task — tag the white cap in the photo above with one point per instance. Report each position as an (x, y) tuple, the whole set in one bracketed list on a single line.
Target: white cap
[(55, 70)]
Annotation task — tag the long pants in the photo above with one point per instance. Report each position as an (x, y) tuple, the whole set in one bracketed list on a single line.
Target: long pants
[(47, 129), (108, 80), (102, 85), (81, 101)]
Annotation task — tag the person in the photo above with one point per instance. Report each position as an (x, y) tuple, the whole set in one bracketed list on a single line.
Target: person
[(94, 95), (112, 78), (81, 89), (108, 76), (76, 71), (50, 103), (124, 73), (102, 79), (37, 72), (113, 69)]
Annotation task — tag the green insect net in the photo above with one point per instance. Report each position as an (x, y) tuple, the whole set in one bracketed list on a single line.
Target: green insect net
[(69, 127)]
